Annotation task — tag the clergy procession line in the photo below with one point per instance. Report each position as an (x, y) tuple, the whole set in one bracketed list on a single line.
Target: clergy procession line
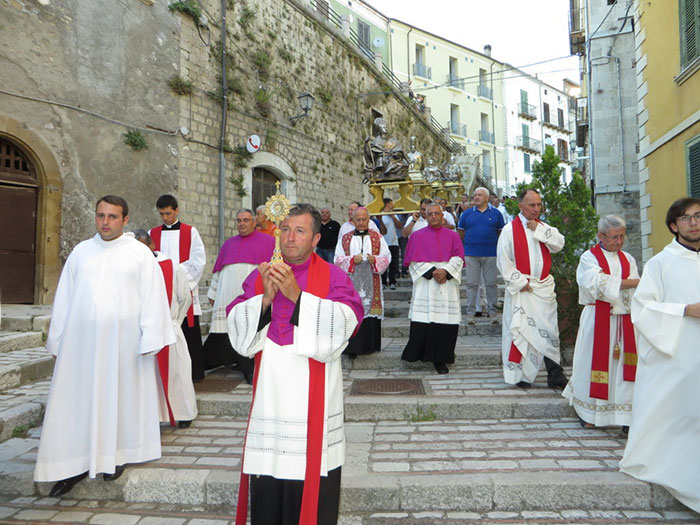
[(286, 325)]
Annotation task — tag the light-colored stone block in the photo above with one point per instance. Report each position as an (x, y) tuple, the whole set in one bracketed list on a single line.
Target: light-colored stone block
[(185, 486), (111, 518)]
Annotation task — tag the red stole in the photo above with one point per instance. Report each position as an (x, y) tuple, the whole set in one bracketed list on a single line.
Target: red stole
[(163, 356), (318, 284), (522, 263), (185, 245), (376, 239), (601, 338)]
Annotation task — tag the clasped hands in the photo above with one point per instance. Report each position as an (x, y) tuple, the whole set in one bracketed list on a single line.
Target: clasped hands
[(359, 258), (440, 276), (278, 278)]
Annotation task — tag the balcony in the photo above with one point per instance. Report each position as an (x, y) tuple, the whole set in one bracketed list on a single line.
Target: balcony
[(456, 82), (421, 70), (551, 122), (485, 91), (457, 128), (577, 31), (527, 111), (529, 144), (486, 136)]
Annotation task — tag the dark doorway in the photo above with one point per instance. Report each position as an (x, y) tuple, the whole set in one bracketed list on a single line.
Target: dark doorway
[(18, 204), (263, 186)]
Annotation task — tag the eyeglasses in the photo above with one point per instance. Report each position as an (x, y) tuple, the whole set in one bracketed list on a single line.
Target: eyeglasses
[(687, 218), (620, 237)]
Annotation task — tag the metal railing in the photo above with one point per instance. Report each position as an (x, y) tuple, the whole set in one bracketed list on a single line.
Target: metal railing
[(529, 143), (456, 82), (421, 70), (456, 128), (486, 136), (527, 110), (485, 91), (552, 121)]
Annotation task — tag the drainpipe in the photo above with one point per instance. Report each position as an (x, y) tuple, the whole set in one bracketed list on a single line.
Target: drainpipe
[(493, 125), (591, 145), (222, 137), (408, 53)]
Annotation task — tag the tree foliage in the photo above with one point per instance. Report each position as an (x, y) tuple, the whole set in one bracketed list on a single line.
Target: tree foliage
[(568, 208)]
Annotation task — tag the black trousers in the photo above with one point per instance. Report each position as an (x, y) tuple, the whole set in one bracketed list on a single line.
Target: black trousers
[(278, 501), (554, 370), (218, 352), (403, 242), (193, 336), (392, 272)]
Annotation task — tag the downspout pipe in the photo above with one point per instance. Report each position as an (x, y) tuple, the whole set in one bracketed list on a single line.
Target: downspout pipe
[(408, 53), (222, 137), (493, 126)]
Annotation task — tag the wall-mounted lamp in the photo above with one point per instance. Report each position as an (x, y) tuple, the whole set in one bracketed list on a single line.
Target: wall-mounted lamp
[(306, 102)]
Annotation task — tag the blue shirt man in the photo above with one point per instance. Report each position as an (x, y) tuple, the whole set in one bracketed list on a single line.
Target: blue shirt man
[(479, 227)]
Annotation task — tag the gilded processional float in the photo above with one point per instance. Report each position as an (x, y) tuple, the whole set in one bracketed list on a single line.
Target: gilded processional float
[(389, 168)]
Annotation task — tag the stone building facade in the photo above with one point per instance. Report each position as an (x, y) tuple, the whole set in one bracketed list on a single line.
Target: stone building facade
[(77, 75)]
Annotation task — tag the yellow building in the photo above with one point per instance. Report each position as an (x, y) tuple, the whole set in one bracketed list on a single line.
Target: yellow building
[(668, 80)]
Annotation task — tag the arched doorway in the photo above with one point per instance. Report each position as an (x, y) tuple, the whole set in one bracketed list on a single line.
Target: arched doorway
[(264, 186), (18, 215)]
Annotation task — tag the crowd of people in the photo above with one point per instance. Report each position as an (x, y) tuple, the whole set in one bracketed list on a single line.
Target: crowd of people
[(126, 336)]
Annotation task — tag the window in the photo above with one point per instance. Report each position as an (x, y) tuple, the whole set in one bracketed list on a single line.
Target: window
[(562, 149), (454, 119), (526, 162), (690, 31), (263, 186), (560, 117), (545, 112), (363, 33), (694, 167)]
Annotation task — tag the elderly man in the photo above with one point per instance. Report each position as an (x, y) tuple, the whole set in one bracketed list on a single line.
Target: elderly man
[(417, 221), (663, 442), (530, 329), (110, 317), (364, 255), (602, 381), (479, 227), (295, 317), (177, 399), (434, 257), (350, 225), (262, 224), (239, 256), (329, 236)]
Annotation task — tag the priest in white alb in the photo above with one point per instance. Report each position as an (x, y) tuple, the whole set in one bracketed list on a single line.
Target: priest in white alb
[(434, 256), (177, 400), (662, 447), (364, 255), (110, 317), (605, 355), (530, 329), (295, 317)]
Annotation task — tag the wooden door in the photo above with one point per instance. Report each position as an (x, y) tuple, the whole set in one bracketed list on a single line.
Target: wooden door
[(18, 205)]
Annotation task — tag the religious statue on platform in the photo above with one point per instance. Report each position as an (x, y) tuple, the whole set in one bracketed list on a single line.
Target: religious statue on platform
[(385, 159), (415, 158), (431, 172), (452, 172)]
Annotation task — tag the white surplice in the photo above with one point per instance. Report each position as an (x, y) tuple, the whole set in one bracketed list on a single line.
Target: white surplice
[(225, 286), (662, 447), (362, 276), (595, 285), (277, 431), (181, 395), (529, 318), (432, 302), (194, 266), (110, 317)]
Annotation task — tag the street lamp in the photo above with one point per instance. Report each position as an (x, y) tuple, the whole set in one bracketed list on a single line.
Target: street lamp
[(306, 102)]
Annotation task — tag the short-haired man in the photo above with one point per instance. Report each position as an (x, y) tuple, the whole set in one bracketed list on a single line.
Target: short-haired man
[(530, 329), (183, 244), (350, 225), (329, 236), (262, 224), (110, 317), (295, 318), (479, 227), (393, 226), (177, 399), (662, 444), (602, 380), (238, 256), (434, 257), (417, 221)]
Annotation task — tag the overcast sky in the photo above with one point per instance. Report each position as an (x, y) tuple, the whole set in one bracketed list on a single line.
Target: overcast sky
[(520, 31)]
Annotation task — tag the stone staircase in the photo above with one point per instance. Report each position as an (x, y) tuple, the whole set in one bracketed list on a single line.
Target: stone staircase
[(465, 448)]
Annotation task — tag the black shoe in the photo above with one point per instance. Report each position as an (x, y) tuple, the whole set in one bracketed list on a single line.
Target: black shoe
[(523, 384), (625, 429), (486, 314), (118, 471), (585, 424), (184, 424), (248, 376), (559, 383), (441, 368), (65, 485), (477, 314)]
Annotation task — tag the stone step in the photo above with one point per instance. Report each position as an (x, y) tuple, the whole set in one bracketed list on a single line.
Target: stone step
[(20, 367), (424, 470), (11, 341), (21, 409), (401, 309), (25, 318), (395, 327)]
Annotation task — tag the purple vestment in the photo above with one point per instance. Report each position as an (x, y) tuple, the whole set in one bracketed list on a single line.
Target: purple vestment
[(433, 245), (255, 248)]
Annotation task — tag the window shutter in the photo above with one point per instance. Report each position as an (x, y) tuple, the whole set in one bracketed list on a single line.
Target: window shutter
[(526, 163), (690, 31), (694, 169)]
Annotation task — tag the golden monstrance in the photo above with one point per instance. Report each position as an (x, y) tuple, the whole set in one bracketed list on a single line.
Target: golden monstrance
[(276, 210)]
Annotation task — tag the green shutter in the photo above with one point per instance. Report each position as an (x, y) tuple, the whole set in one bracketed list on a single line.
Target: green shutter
[(694, 169), (690, 31)]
